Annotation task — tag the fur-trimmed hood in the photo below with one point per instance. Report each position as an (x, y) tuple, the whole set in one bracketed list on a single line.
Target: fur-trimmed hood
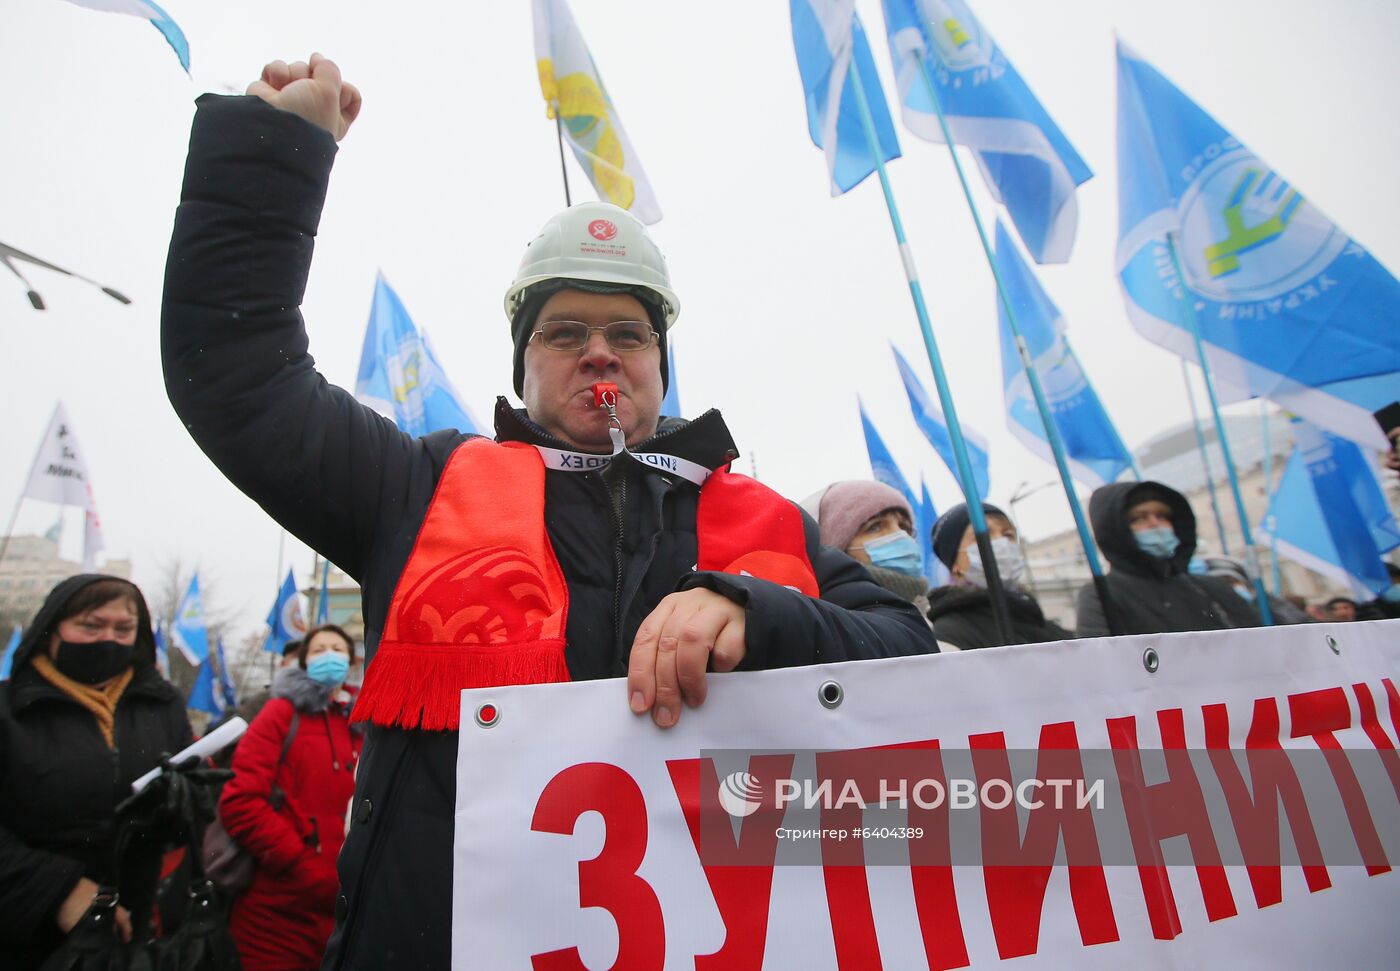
[(296, 686)]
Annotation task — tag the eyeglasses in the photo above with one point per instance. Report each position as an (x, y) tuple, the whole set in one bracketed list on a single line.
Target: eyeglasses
[(573, 335)]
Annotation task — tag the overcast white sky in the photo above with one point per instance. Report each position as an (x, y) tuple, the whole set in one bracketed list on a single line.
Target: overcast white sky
[(790, 297)]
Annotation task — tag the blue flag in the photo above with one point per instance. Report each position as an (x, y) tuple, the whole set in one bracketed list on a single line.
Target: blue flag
[(147, 10), (285, 621), (1029, 165), (162, 652), (671, 404), (828, 36), (323, 602), (1329, 513), (205, 695), (934, 570), (931, 422), (8, 658), (1095, 453), (188, 631), (228, 694), (882, 463), (400, 376), (1290, 307)]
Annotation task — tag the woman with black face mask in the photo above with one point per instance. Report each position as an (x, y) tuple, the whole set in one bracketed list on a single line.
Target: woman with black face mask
[(84, 714)]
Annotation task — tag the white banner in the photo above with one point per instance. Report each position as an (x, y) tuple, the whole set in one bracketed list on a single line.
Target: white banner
[(588, 838)]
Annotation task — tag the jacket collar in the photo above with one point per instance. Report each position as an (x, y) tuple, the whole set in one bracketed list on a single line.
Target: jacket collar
[(27, 687), (705, 440)]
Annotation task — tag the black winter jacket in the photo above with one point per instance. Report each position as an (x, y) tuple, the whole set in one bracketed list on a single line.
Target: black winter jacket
[(352, 486), (60, 785), (962, 617), (1150, 595)]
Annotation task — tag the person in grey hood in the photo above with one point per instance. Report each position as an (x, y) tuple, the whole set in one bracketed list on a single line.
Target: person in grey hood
[(84, 714), (1147, 532)]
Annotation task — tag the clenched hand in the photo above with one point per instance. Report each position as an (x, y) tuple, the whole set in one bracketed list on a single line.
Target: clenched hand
[(312, 90)]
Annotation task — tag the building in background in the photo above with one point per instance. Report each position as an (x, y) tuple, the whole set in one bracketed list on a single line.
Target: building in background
[(31, 568), (1056, 564)]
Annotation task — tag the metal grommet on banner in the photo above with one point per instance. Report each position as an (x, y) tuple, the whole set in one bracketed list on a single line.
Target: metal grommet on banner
[(830, 694), (1151, 661), (488, 715), (1332, 643)]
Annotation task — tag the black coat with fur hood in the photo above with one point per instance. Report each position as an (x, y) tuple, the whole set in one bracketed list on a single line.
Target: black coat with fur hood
[(60, 785), (1152, 595)]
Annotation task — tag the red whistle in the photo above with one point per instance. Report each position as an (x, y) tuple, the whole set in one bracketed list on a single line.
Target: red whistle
[(604, 394)]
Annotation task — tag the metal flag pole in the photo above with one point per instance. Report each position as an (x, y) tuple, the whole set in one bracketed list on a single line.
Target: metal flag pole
[(1205, 458), (1052, 431), (1276, 575), (563, 169), (995, 590), (1252, 555)]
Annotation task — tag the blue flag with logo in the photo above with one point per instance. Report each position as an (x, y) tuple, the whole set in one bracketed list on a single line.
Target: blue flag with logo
[(1029, 165), (188, 631), (671, 404), (205, 695), (1290, 307), (828, 38), (882, 463), (1329, 512), (931, 422), (8, 658), (400, 376), (286, 620), (162, 651), (1095, 453), (228, 694)]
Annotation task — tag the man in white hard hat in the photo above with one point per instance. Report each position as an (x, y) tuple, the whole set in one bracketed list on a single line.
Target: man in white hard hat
[(591, 538)]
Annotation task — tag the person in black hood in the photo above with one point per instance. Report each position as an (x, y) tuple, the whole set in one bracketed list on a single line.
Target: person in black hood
[(84, 714), (961, 612), (1147, 532)]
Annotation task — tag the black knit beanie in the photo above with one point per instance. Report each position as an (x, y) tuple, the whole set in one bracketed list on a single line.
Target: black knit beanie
[(522, 325), (949, 529)]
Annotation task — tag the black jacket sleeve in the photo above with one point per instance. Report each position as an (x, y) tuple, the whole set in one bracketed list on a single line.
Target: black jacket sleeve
[(1090, 620), (855, 618), (233, 344)]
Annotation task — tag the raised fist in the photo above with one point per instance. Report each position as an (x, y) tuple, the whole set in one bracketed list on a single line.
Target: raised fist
[(312, 90)]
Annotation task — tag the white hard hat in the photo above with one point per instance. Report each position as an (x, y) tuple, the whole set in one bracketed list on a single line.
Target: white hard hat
[(597, 242)]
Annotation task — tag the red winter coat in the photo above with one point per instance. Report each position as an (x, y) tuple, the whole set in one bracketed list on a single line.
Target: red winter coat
[(282, 923)]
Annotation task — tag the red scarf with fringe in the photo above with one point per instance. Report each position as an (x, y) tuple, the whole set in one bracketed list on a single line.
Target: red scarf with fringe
[(483, 601)]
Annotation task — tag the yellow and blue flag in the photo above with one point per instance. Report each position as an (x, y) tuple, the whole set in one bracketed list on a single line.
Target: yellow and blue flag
[(573, 91), (829, 39), (1029, 165), (1289, 306), (1095, 453), (400, 376)]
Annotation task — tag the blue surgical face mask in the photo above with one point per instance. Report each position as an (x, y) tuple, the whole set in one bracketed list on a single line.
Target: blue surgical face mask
[(897, 552), (328, 669), (1197, 567), (1159, 542)]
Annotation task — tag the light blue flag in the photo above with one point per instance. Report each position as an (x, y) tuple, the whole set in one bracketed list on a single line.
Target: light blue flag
[(671, 404), (931, 422), (1029, 165), (1095, 453), (323, 602), (882, 463), (228, 694), (147, 10), (162, 652), (400, 376), (828, 36), (934, 570), (205, 695), (1290, 307), (188, 631), (1329, 513), (8, 658), (285, 621)]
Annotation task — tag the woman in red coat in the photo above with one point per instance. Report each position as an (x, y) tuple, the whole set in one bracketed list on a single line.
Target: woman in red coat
[(288, 811)]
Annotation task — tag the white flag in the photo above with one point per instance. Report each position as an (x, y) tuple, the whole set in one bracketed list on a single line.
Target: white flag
[(573, 88), (59, 475)]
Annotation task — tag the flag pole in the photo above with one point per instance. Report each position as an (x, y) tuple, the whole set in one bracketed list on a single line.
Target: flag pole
[(1275, 573), (1052, 431), (14, 517), (563, 169), (1000, 611), (1251, 554), (1205, 458)]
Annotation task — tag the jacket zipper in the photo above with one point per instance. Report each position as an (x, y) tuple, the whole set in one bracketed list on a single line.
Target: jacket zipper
[(616, 510)]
